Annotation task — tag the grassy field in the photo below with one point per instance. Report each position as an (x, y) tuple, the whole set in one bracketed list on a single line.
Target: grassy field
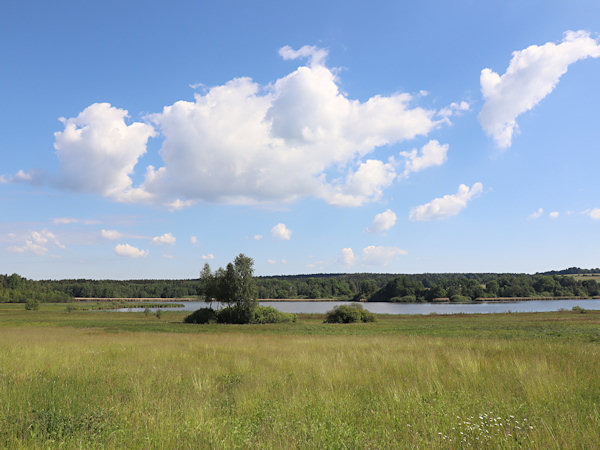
[(129, 380)]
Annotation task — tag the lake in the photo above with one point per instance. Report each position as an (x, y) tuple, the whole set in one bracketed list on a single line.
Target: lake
[(411, 308)]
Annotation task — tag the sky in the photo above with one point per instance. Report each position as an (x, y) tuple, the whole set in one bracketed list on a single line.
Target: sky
[(145, 139)]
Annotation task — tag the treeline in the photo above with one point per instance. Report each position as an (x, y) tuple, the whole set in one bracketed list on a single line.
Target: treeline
[(339, 286), (469, 287), (16, 289), (126, 288), (361, 286)]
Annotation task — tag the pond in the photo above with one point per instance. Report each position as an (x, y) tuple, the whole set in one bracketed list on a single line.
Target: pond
[(411, 308)]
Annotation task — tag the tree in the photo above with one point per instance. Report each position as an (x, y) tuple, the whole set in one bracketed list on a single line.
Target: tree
[(233, 286)]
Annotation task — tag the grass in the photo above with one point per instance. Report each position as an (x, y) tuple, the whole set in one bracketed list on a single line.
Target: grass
[(126, 380)]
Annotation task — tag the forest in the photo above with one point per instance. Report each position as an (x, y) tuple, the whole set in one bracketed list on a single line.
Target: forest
[(455, 287)]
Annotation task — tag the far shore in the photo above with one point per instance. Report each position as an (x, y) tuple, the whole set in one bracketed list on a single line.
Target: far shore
[(193, 299)]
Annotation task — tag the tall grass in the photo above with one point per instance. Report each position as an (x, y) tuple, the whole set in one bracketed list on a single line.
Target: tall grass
[(234, 387)]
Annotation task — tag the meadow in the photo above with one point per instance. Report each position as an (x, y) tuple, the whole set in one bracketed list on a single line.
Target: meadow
[(97, 379)]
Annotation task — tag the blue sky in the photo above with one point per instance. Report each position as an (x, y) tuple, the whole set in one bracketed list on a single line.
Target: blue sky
[(143, 139)]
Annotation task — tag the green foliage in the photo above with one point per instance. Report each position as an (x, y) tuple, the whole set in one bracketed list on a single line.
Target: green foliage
[(158, 313), (233, 286), (16, 289), (202, 315), (349, 314), (268, 314), (460, 299), (405, 299), (578, 309), (32, 305)]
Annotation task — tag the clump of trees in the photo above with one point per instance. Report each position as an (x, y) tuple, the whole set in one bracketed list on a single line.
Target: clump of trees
[(349, 314), (17, 289), (235, 287)]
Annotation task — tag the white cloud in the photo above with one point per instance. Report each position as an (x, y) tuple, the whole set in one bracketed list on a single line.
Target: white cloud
[(298, 136), (3, 179), (554, 214), (383, 222), (446, 206), (97, 152), (130, 251), (245, 143), (165, 239), (454, 108), (531, 75), (36, 242), (280, 231), (208, 257), (271, 261), (314, 54), (364, 185), (194, 240), (536, 214), (257, 237), (594, 213), (432, 154), (111, 235), (347, 257), (379, 255)]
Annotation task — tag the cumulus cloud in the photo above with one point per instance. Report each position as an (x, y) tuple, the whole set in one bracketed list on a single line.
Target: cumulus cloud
[(432, 154), (165, 239), (194, 240), (380, 255), (347, 257), (446, 206), (208, 257), (536, 214), (383, 222), (130, 251), (245, 143), (97, 152), (298, 136), (280, 231), (37, 242), (257, 237), (554, 214), (111, 235), (531, 75)]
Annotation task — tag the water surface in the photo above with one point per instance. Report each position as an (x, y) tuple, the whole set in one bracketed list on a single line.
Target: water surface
[(410, 308)]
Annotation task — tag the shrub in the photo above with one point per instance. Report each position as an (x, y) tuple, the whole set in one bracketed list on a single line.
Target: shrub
[(578, 309), (32, 305), (460, 299), (268, 314), (349, 314), (404, 299), (158, 313), (203, 315)]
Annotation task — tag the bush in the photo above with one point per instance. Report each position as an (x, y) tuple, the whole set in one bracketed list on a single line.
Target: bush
[(578, 309), (404, 299), (203, 315), (268, 314), (32, 305), (349, 314), (460, 299)]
